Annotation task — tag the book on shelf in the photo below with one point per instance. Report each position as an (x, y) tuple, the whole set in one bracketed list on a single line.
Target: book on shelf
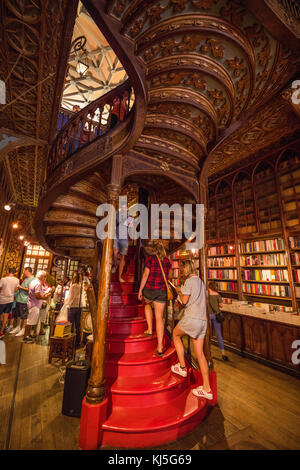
[(221, 262), (296, 275), (295, 258), (221, 250), (222, 274), (267, 290), (294, 242), (274, 244), (227, 286), (268, 275), (297, 291), (273, 259)]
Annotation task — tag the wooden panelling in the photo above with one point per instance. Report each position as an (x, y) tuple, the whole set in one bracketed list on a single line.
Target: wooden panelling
[(232, 330), (255, 336), (280, 340)]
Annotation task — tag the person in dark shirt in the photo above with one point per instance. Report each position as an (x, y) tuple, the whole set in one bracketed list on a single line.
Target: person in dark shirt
[(153, 289), (214, 306)]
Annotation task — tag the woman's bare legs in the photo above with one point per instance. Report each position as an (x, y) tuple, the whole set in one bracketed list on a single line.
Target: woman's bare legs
[(177, 334), (198, 350), (148, 315), (121, 266), (160, 326)]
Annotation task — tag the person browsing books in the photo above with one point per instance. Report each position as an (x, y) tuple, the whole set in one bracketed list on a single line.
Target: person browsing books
[(214, 306), (194, 324)]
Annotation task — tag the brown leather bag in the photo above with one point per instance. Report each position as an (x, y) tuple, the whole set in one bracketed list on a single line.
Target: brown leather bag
[(170, 294)]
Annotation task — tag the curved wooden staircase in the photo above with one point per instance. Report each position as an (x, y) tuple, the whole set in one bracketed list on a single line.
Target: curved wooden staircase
[(148, 405)]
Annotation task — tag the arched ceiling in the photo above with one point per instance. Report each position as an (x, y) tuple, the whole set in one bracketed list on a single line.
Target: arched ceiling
[(210, 66), (35, 37)]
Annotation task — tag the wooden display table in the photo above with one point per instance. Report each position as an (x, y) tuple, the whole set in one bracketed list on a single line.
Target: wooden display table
[(62, 348)]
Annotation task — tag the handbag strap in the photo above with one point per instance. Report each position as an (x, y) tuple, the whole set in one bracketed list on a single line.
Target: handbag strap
[(163, 273)]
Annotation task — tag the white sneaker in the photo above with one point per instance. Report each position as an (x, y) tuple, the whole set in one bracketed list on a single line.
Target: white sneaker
[(15, 330), (200, 392), (21, 332), (178, 370)]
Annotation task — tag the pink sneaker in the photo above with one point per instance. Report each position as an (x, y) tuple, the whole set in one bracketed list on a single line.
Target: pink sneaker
[(201, 393), (177, 370)]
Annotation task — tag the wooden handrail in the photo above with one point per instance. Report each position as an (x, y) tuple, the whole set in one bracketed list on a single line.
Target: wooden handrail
[(89, 124)]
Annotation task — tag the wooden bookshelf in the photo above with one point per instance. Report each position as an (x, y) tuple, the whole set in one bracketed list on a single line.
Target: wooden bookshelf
[(265, 201), (244, 205)]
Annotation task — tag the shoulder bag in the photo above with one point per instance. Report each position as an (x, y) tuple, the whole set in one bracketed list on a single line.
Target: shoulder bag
[(219, 315), (171, 291)]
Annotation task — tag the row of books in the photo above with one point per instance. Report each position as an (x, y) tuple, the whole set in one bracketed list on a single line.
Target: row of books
[(230, 261), (221, 250), (227, 286), (294, 242), (175, 272), (175, 264), (297, 292), (296, 275), (222, 273), (274, 259), (263, 245), (265, 289), (270, 275)]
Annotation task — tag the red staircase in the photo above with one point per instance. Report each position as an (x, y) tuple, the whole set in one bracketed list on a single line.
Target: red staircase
[(147, 404)]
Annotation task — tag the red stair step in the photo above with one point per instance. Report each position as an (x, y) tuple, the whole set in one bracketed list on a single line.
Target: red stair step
[(116, 287), (125, 276), (150, 426), (146, 391), (136, 343), (127, 325), (134, 365), (124, 298), (117, 311)]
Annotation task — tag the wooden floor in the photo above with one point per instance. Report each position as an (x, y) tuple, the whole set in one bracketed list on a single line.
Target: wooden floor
[(259, 408)]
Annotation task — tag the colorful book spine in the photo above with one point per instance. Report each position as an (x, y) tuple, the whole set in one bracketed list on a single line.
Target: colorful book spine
[(267, 290), (263, 245), (296, 275), (294, 242), (221, 250), (222, 274)]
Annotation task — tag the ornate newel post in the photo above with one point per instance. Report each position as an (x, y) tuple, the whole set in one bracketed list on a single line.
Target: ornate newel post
[(94, 406)]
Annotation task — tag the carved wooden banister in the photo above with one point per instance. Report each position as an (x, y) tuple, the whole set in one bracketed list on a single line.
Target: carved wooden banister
[(89, 124)]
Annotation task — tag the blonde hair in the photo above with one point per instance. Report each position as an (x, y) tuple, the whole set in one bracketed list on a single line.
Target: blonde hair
[(159, 250), (189, 267), (76, 279), (40, 274)]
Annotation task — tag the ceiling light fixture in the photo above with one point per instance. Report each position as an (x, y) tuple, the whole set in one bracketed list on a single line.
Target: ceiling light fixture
[(15, 225), (21, 237), (8, 207), (81, 67)]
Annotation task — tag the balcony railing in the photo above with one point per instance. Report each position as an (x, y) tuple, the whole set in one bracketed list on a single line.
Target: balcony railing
[(92, 122)]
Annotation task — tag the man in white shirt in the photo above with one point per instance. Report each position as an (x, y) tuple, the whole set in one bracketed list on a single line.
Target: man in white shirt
[(8, 286), (36, 296)]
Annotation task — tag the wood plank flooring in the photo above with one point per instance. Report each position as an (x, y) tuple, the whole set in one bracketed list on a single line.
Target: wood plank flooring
[(259, 408)]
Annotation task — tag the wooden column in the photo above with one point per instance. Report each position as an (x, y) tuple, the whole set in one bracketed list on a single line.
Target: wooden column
[(96, 385), (203, 199)]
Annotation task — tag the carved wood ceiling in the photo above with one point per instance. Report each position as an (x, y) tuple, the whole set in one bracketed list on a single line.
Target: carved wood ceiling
[(210, 66), (34, 34)]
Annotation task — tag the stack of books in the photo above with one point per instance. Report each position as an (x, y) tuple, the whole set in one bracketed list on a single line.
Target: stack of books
[(62, 329)]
